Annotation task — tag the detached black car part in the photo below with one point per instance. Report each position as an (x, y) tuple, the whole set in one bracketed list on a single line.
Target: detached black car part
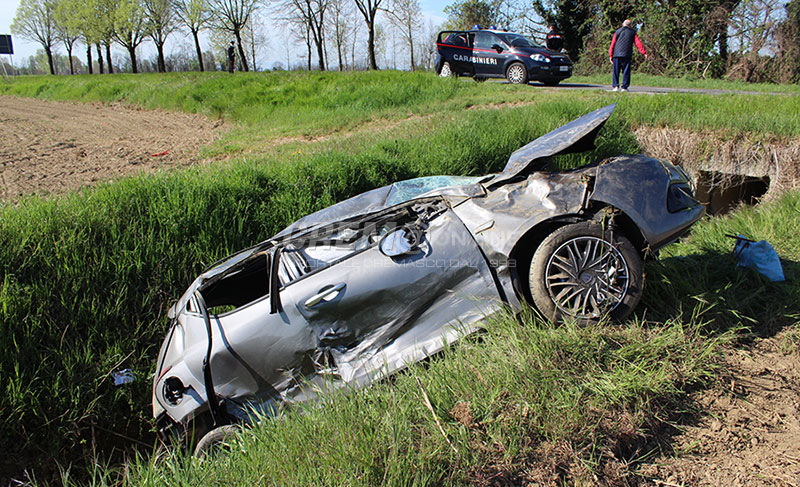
[(486, 54), (352, 293)]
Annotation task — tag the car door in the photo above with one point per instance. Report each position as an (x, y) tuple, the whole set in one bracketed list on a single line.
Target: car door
[(373, 313), (456, 48), (487, 60)]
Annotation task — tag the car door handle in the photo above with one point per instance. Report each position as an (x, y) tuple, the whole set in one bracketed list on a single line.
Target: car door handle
[(326, 295)]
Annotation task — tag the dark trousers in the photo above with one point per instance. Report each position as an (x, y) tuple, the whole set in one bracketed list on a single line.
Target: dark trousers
[(623, 65), (231, 64)]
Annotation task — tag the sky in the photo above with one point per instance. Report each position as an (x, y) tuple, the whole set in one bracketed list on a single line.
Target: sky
[(432, 9)]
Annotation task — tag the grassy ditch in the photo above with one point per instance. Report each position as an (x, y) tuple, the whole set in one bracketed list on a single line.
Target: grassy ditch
[(85, 279), (526, 402)]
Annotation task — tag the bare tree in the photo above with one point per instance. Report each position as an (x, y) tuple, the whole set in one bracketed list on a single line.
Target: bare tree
[(35, 20), (339, 24), (406, 16), (369, 9), (255, 39), (232, 16), (194, 15), (160, 15), (312, 14), (753, 25)]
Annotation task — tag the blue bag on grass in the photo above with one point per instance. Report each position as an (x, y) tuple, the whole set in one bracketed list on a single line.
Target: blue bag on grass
[(759, 256)]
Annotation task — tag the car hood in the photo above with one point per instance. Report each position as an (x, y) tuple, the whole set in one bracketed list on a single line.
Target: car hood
[(576, 136), (540, 50)]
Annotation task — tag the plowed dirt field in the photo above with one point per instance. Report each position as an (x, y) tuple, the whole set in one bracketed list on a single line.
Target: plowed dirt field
[(49, 147)]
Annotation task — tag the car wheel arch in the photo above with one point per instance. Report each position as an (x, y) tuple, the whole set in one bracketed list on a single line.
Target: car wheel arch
[(522, 251)]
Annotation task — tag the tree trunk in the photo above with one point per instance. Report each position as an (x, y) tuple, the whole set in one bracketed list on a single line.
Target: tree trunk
[(253, 52), (199, 51), (411, 48), (723, 47), (339, 49), (99, 58), (371, 46), (89, 58), (321, 55), (132, 54), (162, 66), (242, 58), (69, 55), (49, 53), (108, 58)]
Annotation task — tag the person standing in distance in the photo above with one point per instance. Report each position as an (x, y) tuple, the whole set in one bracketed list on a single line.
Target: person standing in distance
[(231, 56), (554, 40), (621, 52)]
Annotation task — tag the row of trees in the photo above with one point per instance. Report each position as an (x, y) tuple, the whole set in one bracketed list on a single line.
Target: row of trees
[(320, 25), (754, 40), (128, 23)]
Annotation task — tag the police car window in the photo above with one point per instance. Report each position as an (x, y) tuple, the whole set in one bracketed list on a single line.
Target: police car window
[(485, 40), (457, 39), (517, 40)]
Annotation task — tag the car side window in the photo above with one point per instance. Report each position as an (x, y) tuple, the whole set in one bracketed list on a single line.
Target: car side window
[(485, 40), (458, 39)]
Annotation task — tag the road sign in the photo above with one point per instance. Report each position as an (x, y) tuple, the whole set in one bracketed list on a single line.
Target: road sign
[(5, 44)]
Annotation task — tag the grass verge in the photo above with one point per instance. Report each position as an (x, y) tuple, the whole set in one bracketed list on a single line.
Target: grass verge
[(85, 279)]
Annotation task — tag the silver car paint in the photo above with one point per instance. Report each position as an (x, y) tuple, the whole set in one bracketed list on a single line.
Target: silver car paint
[(388, 312)]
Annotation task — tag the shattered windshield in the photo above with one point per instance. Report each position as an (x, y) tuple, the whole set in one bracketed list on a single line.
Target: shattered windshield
[(407, 190)]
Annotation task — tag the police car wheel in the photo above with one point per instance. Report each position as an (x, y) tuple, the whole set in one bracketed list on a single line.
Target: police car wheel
[(446, 72), (517, 74)]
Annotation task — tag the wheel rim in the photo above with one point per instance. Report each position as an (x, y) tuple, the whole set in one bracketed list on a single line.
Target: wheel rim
[(445, 72), (516, 73), (587, 277)]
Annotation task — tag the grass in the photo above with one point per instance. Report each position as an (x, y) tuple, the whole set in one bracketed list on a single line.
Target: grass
[(690, 82), (277, 105), (85, 280), (517, 395), (526, 401)]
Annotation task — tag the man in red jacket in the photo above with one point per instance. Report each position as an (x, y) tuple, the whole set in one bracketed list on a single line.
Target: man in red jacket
[(621, 52)]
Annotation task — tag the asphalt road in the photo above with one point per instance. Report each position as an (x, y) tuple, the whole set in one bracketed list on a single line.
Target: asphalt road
[(653, 89)]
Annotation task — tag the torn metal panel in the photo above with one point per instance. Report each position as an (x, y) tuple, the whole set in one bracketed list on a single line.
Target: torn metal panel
[(640, 186), (359, 290), (576, 136)]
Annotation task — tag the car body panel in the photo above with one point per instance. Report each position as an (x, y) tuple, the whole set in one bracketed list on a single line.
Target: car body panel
[(321, 305)]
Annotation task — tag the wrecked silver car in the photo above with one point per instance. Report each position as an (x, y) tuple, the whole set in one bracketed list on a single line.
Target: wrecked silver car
[(355, 292)]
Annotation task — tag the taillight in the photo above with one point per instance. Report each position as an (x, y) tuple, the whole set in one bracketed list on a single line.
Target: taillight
[(680, 197)]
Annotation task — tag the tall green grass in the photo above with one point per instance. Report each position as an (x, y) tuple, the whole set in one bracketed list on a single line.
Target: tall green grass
[(269, 105), (85, 279), (524, 402)]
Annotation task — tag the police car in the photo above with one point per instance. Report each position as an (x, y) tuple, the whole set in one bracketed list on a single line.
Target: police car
[(491, 53)]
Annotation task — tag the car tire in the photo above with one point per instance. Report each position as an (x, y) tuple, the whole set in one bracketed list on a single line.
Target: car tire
[(215, 440), (517, 74), (446, 72), (584, 271)]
